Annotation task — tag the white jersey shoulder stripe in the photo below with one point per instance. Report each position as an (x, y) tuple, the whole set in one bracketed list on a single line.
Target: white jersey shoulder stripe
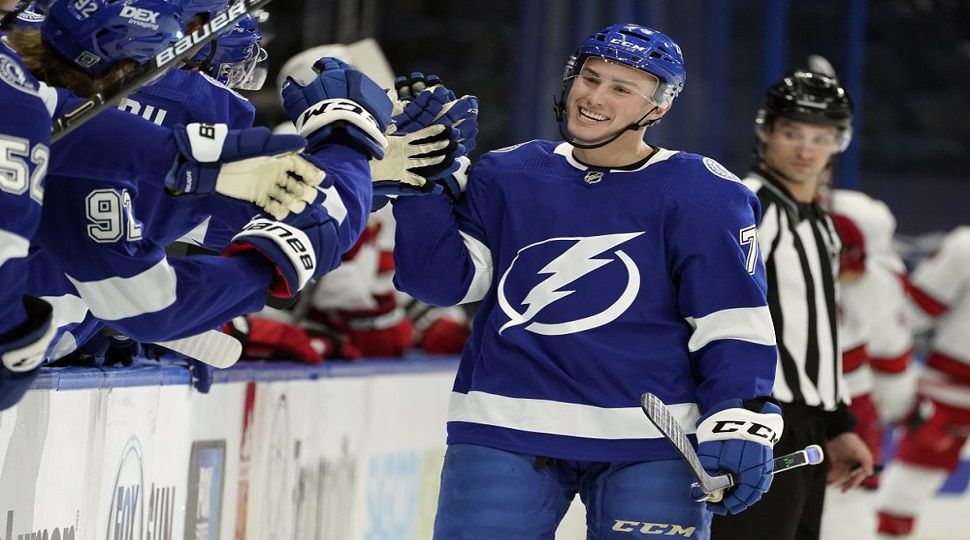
[(559, 418), (745, 324), (482, 259), (68, 309), (117, 298)]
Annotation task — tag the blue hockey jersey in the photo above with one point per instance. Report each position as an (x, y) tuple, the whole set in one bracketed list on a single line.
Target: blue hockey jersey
[(24, 158), (104, 261), (596, 285)]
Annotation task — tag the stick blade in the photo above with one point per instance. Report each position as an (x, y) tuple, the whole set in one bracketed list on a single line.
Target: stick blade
[(211, 347)]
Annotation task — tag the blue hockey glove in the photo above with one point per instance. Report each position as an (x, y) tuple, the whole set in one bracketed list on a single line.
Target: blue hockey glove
[(22, 351), (408, 87), (453, 185), (424, 101), (462, 114), (421, 111), (738, 440), (302, 247), (248, 164), (23, 348), (340, 105)]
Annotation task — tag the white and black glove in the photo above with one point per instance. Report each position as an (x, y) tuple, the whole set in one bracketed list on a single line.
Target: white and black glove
[(302, 247), (342, 105), (414, 161), (247, 164), (738, 437)]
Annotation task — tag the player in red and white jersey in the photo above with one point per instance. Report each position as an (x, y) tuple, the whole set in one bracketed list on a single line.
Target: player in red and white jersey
[(876, 344), (877, 341), (930, 448)]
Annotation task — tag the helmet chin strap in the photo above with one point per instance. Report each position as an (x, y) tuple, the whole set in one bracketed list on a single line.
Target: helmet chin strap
[(559, 107)]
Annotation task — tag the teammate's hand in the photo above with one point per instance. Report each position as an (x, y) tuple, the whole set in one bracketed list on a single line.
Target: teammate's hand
[(341, 105), (737, 438), (424, 101), (408, 87), (249, 164), (302, 247), (25, 351), (850, 461), (415, 160)]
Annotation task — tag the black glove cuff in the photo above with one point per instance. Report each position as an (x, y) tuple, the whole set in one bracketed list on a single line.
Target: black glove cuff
[(756, 404)]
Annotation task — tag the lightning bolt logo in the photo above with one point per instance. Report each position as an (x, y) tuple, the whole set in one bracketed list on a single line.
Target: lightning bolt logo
[(577, 261)]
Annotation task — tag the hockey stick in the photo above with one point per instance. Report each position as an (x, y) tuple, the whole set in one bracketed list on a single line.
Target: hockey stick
[(714, 486), (169, 57), (210, 347)]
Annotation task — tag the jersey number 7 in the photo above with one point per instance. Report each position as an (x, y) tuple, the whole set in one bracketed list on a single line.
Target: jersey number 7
[(749, 237)]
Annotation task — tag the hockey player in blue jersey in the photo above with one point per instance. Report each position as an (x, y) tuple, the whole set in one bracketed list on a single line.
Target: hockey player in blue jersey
[(183, 96), (606, 268), (25, 321), (90, 239)]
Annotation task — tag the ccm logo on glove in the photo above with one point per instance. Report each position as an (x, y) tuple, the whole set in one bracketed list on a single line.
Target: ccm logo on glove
[(335, 105), (752, 428), (738, 423)]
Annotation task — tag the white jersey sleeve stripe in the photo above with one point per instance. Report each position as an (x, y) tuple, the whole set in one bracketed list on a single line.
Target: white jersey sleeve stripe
[(12, 246), (334, 204), (482, 259), (746, 324), (49, 96), (560, 418), (119, 297)]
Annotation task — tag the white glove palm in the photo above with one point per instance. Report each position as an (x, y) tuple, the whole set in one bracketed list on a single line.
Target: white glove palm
[(250, 164), (414, 160), (278, 184)]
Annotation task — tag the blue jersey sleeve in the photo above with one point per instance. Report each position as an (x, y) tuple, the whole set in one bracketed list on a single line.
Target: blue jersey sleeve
[(348, 200), (722, 294), (24, 159), (434, 234), (113, 145), (123, 275)]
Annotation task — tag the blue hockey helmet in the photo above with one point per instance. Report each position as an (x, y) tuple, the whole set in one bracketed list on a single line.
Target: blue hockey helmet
[(638, 47), (96, 34), (31, 18), (210, 7), (237, 51)]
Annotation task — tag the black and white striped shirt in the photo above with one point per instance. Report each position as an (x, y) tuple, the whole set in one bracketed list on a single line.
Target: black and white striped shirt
[(800, 248)]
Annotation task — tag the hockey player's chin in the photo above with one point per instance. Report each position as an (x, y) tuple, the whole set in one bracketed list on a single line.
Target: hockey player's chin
[(587, 136)]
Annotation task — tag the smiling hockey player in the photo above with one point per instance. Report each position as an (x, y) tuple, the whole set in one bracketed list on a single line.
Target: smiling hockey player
[(606, 267)]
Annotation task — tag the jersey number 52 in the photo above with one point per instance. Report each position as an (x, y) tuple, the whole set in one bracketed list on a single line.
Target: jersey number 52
[(16, 155)]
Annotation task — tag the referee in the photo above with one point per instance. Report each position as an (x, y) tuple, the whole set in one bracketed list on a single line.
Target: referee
[(805, 120)]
